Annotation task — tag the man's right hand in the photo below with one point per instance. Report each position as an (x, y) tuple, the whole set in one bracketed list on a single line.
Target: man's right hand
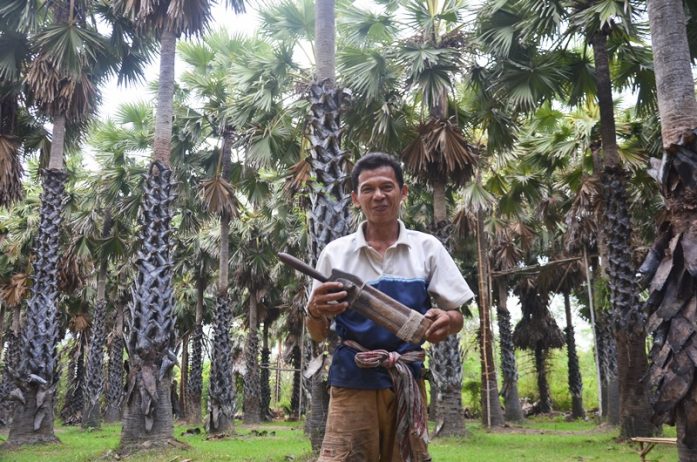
[(326, 300)]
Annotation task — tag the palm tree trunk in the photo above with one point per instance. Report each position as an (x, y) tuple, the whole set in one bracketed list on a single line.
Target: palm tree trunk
[(491, 410), (575, 381), (672, 66), (297, 383), (325, 48), (446, 367), (114, 390), (635, 411), (12, 358), (195, 382), (440, 213), (607, 352), (329, 218), (265, 376), (165, 97), (184, 379), (3, 310), (544, 406), (252, 388), (512, 408), (36, 374), (91, 412), (221, 392), (151, 341), (71, 414), (673, 345), (140, 429)]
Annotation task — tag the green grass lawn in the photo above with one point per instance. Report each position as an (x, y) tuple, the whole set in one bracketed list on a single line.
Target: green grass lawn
[(542, 439)]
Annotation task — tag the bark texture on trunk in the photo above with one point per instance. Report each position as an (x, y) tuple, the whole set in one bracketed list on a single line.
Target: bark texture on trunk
[(673, 321), (319, 407), (252, 387), (635, 411), (544, 405), (195, 383), (329, 217), (607, 354), (114, 387), (446, 357), (446, 367), (37, 374), (12, 356), (221, 392), (672, 264), (513, 411), (184, 380), (71, 413), (325, 47), (673, 69), (629, 319), (165, 98), (574, 370), (151, 340), (139, 430), (265, 376), (295, 362), (91, 413)]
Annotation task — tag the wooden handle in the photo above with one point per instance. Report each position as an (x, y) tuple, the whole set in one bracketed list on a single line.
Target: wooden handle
[(301, 266)]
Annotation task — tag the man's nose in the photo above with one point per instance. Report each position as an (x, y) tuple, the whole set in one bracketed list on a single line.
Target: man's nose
[(379, 194)]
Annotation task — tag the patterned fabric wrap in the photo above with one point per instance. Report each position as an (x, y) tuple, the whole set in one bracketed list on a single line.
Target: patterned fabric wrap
[(412, 430)]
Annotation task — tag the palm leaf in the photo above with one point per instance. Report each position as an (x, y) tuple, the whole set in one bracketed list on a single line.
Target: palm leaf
[(218, 196)]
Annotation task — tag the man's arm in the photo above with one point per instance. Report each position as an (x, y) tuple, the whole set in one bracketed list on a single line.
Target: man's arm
[(324, 302), (445, 323)]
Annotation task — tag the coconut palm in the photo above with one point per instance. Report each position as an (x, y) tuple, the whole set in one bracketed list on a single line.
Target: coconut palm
[(670, 262)]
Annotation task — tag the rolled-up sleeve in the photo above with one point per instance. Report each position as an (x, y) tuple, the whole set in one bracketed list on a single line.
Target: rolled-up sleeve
[(446, 285)]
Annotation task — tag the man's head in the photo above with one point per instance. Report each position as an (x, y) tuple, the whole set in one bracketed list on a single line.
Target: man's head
[(372, 161), (378, 188)]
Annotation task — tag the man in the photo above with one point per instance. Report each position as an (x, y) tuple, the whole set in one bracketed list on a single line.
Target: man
[(410, 266)]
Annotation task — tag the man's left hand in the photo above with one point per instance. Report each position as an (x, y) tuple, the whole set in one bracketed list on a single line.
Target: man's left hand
[(441, 326)]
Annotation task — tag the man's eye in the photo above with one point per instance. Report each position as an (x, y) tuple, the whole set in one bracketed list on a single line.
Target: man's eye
[(366, 190)]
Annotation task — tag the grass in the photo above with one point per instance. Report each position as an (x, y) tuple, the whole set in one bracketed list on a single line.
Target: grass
[(539, 440)]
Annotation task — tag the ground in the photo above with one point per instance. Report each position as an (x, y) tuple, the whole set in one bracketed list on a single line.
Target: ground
[(539, 440)]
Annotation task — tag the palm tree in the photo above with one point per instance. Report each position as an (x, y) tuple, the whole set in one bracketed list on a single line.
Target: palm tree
[(151, 340), (62, 80), (537, 331), (672, 320), (585, 21)]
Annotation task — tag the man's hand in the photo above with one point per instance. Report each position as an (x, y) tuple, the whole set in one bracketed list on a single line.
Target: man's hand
[(326, 300), (444, 323)]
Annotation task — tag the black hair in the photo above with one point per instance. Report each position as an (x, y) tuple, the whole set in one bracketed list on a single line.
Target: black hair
[(374, 160)]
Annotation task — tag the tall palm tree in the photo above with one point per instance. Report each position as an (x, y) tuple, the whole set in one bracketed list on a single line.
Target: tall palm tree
[(151, 340), (592, 23), (62, 80), (671, 261)]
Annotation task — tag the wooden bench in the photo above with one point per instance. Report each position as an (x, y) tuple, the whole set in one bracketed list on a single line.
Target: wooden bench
[(647, 444)]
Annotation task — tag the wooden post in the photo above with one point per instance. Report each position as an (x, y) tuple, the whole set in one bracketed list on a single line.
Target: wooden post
[(595, 335)]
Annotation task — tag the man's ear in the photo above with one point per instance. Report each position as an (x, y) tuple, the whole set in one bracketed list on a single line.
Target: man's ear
[(354, 199), (404, 192)]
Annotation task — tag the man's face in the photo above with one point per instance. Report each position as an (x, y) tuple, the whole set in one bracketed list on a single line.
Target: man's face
[(378, 194)]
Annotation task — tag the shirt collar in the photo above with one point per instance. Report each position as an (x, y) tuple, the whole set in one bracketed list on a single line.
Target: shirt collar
[(401, 239)]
